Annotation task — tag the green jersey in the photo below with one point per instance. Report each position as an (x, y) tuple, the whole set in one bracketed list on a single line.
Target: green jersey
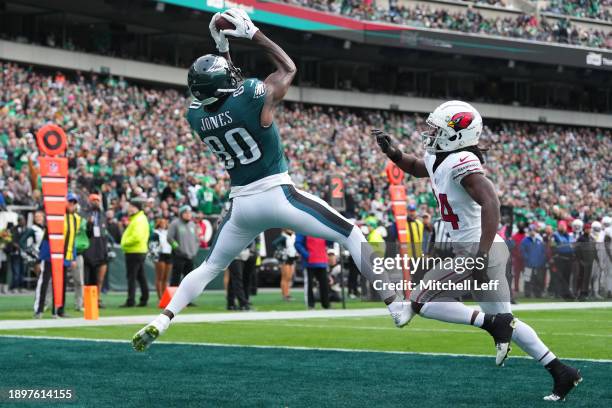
[(233, 132)]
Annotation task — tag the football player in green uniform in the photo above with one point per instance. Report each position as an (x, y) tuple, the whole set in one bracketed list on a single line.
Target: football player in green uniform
[(235, 118)]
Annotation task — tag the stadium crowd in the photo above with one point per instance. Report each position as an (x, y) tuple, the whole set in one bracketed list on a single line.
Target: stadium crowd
[(523, 26), (130, 142), (596, 9)]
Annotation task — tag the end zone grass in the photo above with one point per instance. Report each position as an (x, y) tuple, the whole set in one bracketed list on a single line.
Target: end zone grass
[(111, 374)]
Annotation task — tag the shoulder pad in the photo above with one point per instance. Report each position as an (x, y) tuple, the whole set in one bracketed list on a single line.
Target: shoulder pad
[(252, 88), (462, 164)]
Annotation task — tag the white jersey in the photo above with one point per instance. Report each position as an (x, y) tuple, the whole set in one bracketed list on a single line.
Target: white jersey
[(459, 211)]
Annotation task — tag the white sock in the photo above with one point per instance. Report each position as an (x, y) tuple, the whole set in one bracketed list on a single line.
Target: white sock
[(191, 287), (528, 340), (161, 322), (479, 319), (361, 251), (451, 312)]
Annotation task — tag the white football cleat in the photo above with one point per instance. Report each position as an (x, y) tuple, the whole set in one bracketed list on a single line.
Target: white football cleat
[(148, 334), (501, 329), (401, 312), (502, 351)]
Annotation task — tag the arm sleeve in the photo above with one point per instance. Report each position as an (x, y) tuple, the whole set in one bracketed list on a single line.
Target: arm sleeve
[(300, 241), (23, 239), (524, 248), (126, 238), (141, 229), (172, 233)]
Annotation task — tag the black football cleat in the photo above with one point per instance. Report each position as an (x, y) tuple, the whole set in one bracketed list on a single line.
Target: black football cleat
[(501, 328), (566, 378)]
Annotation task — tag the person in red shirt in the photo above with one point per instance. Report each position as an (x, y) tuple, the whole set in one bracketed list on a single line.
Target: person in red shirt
[(517, 259), (314, 257)]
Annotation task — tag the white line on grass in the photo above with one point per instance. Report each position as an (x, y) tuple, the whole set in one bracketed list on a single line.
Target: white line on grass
[(342, 350), (272, 315), (418, 329)]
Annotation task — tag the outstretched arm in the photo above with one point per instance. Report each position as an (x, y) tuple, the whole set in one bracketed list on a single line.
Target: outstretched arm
[(483, 192), (278, 82), (407, 162)]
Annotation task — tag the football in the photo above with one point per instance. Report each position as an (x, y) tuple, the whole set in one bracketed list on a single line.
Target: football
[(223, 24)]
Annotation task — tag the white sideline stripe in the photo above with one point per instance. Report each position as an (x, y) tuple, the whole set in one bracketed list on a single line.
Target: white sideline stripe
[(301, 348), (256, 316), (412, 329), (189, 318)]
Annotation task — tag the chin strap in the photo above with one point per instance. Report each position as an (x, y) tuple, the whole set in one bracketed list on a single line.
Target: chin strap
[(236, 73)]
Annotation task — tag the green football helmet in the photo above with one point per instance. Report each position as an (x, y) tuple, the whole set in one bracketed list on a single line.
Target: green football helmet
[(212, 76)]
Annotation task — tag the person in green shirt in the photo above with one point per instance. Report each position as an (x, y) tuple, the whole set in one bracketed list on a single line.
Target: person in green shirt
[(206, 199)]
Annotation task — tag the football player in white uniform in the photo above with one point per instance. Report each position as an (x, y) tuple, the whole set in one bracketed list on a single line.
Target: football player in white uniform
[(469, 206)]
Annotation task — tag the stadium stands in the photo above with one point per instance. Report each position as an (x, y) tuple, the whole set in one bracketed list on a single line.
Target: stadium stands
[(595, 9), (461, 16), (130, 141)]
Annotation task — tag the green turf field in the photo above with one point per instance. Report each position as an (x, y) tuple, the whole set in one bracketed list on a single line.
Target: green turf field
[(20, 306), (225, 370), (112, 375), (570, 333)]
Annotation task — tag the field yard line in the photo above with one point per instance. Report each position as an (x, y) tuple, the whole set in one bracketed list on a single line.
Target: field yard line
[(301, 348), (191, 318), (255, 316), (322, 326)]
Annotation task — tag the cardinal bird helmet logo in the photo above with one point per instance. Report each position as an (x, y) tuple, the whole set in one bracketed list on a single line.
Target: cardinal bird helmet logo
[(461, 121)]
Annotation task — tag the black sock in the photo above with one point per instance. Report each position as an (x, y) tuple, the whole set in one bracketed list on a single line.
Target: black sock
[(168, 313), (554, 367), (487, 323)]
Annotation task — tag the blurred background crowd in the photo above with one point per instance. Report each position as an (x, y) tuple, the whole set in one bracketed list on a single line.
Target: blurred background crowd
[(131, 144), (470, 20), (596, 9), (132, 141)]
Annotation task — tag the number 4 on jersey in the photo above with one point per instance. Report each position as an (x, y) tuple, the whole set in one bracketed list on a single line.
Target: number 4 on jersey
[(447, 212)]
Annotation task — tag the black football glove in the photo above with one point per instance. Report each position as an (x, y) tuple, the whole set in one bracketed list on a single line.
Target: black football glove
[(481, 264), (386, 145)]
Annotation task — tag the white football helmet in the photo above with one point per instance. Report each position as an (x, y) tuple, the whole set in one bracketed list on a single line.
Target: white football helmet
[(606, 221), (455, 125)]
